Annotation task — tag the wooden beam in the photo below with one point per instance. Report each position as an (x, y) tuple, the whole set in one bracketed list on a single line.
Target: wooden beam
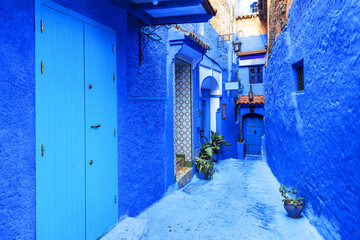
[(183, 19), (166, 4)]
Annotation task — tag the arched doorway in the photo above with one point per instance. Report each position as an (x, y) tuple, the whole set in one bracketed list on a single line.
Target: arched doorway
[(209, 105), (253, 129)]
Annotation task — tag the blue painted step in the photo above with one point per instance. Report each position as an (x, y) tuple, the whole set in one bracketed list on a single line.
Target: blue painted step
[(129, 229)]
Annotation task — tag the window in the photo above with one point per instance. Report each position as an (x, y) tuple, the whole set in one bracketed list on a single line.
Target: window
[(256, 74), (300, 78), (254, 7), (299, 74)]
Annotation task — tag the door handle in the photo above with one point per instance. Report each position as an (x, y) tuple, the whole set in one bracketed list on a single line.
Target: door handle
[(97, 126)]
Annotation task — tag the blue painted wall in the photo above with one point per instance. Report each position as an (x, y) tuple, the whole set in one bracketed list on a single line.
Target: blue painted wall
[(145, 169), (229, 128), (144, 126), (251, 43), (17, 120), (145, 113), (313, 138)]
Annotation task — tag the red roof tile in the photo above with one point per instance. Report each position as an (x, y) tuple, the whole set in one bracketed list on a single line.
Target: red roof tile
[(244, 99)]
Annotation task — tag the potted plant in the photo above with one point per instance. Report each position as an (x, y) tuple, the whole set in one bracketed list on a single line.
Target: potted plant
[(204, 168), (204, 164), (293, 205), (217, 142)]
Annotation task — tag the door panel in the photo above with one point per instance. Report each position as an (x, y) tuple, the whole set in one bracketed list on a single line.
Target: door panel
[(101, 140), (60, 172), (254, 130)]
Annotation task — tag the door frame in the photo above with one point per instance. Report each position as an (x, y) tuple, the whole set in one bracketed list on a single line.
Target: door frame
[(38, 50), (244, 117), (191, 109)]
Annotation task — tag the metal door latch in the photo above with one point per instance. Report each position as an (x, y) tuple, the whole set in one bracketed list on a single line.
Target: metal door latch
[(97, 126), (42, 150)]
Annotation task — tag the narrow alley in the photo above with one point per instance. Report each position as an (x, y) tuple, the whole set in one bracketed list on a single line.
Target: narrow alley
[(179, 119), (241, 202)]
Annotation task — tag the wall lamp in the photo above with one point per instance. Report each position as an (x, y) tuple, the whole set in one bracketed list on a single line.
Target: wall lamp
[(237, 46), (251, 94)]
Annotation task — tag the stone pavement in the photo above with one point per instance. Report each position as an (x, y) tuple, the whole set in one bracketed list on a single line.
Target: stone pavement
[(241, 202)]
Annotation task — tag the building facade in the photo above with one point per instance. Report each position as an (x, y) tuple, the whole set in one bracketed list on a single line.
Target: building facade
[(312, 93), (112, 138)]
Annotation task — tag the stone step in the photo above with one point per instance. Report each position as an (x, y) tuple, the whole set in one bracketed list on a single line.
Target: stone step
[(183, 176), (128, 229)]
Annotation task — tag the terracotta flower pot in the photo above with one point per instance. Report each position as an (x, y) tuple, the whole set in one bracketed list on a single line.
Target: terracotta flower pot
[(292, 210)]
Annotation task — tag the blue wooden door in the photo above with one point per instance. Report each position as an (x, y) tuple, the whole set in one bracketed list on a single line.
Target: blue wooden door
[(101, 137), (60, 145), (75, 124), (253, 126)]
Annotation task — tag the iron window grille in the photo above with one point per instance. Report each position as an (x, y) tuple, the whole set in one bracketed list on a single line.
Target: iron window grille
[(256, 74)]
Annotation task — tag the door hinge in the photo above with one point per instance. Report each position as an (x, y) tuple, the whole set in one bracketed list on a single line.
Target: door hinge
[(114, 132), (114, 77), (113, 48), (42, 67), (115, 199), (42, 25), (42, 150)]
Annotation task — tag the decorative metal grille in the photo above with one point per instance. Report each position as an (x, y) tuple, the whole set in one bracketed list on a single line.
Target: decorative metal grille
[(224, 38), (147, 33), (300, 78)]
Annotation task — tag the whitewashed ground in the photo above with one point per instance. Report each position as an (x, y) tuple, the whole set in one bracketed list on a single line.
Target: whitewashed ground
[(241, 202)]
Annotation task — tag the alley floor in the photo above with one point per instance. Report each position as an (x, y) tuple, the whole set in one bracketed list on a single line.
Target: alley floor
[(241, 202)]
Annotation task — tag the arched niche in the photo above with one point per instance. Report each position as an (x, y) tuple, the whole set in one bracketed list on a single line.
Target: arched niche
[(209, 90)]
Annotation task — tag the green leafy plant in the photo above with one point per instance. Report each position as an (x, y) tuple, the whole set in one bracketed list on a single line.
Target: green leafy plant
[(205, 162), (217, 141), (205, 166), (207, 151), (290, 196)]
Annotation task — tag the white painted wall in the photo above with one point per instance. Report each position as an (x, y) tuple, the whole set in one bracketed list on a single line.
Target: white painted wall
[(214, 105), (243, 7)]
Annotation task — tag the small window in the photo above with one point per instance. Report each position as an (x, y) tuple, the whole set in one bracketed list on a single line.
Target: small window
[(254, 7), (300, 77), (256, 74), (299, 74)]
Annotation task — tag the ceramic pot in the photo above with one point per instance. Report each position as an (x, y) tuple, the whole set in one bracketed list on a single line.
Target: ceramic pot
[(293, 211), (201, 175)]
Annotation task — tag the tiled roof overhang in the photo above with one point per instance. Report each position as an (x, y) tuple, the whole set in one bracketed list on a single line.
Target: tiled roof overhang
[(193, 38), (247, 16), (168, 11), (244, 100), (251, 53)]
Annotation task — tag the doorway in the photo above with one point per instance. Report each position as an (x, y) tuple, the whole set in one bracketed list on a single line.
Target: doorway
[(76, 157), (183, 121), (253, 126)]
